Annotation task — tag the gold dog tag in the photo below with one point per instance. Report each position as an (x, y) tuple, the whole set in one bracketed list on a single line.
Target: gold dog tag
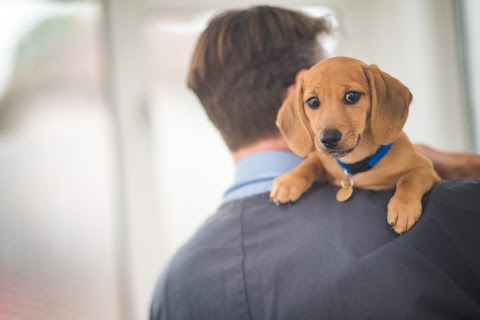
[(344, 194), (346, 190)]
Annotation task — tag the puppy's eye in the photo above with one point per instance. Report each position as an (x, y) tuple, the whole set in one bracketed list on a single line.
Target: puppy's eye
[(352, 97), (313, 103)]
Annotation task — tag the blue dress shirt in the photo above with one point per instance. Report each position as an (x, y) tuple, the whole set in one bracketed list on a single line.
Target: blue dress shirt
[(255, 173)]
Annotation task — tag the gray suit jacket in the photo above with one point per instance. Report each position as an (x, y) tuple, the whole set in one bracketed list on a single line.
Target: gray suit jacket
[(320, 259)]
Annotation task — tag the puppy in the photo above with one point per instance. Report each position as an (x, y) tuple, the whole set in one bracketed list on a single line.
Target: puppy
[(346, 118)]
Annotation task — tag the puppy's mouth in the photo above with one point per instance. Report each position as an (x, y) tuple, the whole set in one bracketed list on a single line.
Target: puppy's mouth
[(340, 153)]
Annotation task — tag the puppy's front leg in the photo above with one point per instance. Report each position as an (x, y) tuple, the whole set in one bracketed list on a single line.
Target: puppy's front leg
[(405, 207), (290, 186)]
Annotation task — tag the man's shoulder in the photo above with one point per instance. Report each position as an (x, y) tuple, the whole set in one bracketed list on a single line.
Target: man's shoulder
[(466, 191), (215, 271), (252, 254), (231, 223), (452, 207)]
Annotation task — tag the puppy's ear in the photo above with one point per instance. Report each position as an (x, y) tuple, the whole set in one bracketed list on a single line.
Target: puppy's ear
[(293, 123), (390, 102)]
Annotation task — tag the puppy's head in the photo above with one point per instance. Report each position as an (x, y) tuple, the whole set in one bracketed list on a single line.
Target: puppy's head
[(340, 101)]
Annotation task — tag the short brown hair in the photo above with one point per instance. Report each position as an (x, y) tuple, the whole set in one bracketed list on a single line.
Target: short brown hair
[(243, 63)]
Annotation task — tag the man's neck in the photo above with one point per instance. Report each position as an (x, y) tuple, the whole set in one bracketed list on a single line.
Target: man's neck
[(262, 145)]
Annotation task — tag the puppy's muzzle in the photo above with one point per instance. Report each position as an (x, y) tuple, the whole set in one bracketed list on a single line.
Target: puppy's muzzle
[(330, 138)]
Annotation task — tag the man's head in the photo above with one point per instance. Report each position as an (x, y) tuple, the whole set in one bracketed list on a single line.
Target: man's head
[(244, 62)]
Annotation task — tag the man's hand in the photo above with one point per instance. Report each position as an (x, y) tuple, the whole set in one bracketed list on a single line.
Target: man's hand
[(450, 165)]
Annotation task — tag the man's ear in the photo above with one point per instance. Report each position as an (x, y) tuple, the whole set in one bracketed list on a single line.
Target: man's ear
[(299, 75), (293, 123), (390, 103)]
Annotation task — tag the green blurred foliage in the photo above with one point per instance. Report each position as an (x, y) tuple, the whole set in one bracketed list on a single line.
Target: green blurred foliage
[(44, 38)]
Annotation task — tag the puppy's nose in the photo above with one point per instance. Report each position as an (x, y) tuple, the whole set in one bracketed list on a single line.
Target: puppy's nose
[(330, 138)]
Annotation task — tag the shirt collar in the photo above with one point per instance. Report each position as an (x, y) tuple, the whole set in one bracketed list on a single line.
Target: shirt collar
[(254, 174)]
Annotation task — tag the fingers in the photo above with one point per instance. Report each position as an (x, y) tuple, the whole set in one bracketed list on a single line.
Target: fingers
[(451, 165)]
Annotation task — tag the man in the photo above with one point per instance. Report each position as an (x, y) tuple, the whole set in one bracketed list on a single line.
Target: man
[(317, 258)]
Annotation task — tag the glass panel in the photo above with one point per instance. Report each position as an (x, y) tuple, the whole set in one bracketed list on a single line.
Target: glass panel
[(469, 27), (56, 222)]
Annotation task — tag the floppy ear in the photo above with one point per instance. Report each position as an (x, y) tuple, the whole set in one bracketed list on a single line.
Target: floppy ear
[(390, 102), (293, 123)]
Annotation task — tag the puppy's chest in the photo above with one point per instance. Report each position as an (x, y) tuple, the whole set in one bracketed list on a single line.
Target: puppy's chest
[(380, 177)]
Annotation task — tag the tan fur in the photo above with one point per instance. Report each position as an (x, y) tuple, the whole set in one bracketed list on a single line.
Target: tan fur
[(376, 119)]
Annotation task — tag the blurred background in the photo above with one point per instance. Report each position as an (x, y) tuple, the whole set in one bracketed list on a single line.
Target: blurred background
[(108, 163)]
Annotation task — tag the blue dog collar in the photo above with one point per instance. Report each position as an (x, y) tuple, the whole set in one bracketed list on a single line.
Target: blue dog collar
[(367, 163)]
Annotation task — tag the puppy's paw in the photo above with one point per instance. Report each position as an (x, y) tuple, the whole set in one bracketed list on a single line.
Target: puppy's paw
[(403, 214), (289, 188)]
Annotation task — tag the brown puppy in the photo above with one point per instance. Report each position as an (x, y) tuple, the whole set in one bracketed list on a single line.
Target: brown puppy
[(347, 110)]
